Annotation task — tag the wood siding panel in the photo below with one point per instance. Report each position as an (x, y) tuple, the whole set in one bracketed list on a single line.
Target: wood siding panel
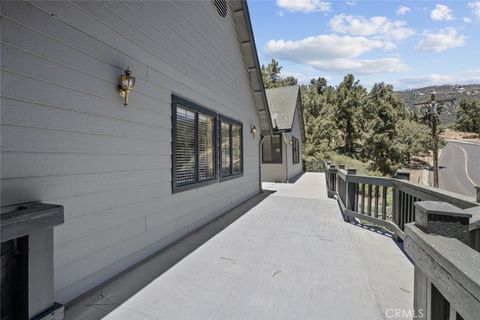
[(68, 139), (295, 169)]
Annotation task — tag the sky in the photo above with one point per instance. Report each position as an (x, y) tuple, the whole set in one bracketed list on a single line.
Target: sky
[(409, 44)]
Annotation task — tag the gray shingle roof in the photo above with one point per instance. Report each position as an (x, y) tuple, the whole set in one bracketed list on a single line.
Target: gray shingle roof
[(282, 102)]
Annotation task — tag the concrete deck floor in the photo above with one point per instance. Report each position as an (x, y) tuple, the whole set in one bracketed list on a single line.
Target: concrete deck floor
[(289, 257)]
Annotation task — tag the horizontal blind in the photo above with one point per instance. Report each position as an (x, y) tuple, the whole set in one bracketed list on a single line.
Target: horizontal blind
[(185, 142), (206, 151), (225, 147), (236, 148)]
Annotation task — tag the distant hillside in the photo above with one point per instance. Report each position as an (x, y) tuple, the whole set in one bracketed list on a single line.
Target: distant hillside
[(471, 91)]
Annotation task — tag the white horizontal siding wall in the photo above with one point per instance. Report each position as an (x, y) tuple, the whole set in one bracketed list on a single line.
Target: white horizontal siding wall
[(276, 172), (67, 139), (295, 169)]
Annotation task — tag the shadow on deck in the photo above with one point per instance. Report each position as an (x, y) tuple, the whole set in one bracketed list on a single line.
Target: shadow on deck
[(289, 255)]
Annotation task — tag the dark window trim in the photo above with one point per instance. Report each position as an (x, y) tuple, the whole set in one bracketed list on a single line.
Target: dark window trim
[(271, 151), (225, 119), (198, 109), (295, 150)]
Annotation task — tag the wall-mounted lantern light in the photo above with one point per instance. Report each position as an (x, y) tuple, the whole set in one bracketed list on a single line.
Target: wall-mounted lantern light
[(127, 82), (290, 141), (253, 130)]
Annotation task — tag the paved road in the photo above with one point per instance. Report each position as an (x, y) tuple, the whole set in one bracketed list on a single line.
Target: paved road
[(290, 257), (460, 167)]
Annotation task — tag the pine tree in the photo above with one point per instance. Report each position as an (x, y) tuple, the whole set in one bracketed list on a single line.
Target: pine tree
[(468, 116), (350, 96)]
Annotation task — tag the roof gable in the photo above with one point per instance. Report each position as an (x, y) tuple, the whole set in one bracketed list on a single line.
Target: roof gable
[(282, 103)]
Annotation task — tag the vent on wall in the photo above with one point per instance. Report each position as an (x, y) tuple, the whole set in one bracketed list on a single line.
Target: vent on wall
[(222, 7)]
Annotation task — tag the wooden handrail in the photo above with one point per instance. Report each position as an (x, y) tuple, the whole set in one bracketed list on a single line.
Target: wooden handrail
[(387, 198), (450, 266), (379, 181), (447, 270), (430, 193)]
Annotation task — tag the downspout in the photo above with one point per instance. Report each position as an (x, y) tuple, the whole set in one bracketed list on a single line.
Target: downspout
[(260, 145), (286, 156)]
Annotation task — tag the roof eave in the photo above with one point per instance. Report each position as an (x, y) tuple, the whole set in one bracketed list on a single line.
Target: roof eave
[(300, 115), (245, 32)]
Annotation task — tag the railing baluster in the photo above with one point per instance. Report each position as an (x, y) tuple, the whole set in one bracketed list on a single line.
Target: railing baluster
[(375, 207), (401, 214), (415, 199), (407, 209), (357, 197), (410, 208), (363, 198), (369, 205), (384, 203)]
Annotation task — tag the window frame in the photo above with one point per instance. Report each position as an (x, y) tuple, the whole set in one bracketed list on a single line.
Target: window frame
[(178, 187), (295, 150), (232, 175), (271, 150)]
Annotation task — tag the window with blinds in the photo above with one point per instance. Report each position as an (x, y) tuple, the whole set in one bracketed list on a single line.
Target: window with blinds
[(194, 140), (231, 147), (225, 147), (236, 149), (272, 149), (185, 155), (206, 147), (295, 150)]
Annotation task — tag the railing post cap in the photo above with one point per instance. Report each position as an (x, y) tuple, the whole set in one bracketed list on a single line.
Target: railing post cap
[(402, 174), (332, 166), (441, 208), (443, 219), (477, 188), (341, 166), (351, 171)]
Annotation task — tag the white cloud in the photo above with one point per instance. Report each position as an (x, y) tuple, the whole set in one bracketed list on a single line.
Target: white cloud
[(441, 13), (461, 77), (304, 5), (475, 6), (359, 66), (467, 20), (403, 10), (428, 80), (324, 47), (447, 38), (334, 53), (375, 26), (351, 3)]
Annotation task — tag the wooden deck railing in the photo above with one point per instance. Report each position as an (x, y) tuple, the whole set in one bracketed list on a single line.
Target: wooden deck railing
[(441, 231), (385, 201)]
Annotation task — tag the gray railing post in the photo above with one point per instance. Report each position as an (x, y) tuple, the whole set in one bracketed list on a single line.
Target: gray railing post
[(443, 219), (477, 189), (401, 174), (333, 179), (351, 191), (327, 174)]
